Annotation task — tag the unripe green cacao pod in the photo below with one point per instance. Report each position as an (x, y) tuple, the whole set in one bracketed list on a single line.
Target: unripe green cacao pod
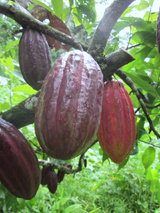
[(19, 168), (52, 181), (117, 129), (69, 106), (34, 57)]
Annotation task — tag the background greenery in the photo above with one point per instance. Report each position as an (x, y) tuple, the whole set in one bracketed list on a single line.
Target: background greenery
[(103, 186)]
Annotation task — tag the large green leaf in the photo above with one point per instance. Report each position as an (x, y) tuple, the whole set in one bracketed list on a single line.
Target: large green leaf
[(143, 5), (148, 157), (143, 37), (42, 4), (152, 175), (142, 84), (58, 7)]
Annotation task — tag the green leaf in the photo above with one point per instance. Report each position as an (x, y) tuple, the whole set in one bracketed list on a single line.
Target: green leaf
[(9, 199), (151, 2), (121, 165), (120, 26), (148, 157), (143, 37), (159, 155), (73, 208), (65, 13), (42, 4), (30, 7), (4, 106), (152, 175), (143, 5), (94, 210), (158, 194), (143, 84), (25, 88), (58, 7), (70, 3)]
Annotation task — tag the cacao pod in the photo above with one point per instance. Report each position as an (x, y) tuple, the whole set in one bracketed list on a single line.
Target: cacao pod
[(19, 168), (69, 106), (158, 31), (61, 174), (34, 57), (44, 174), (52, 181), (117, 129)]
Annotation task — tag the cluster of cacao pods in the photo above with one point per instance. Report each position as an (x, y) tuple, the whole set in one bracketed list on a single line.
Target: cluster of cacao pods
[(51, 179), (74, 105)]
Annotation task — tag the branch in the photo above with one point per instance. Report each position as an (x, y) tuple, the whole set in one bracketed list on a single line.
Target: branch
[(114, 61), (154, 145), (63, 168), (23, 113), (111, 15), (130, 83), (24, 20)]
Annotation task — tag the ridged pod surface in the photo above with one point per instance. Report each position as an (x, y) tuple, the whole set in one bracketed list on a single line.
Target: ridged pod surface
[(19, 168), (34, 57), (117, 129), (69, 106), (52, 182), (158, 31)]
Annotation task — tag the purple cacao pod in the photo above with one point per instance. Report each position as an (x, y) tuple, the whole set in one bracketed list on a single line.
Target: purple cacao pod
[(44, 174), (19, 168), (52, 181), (69, 106), (34, 57)]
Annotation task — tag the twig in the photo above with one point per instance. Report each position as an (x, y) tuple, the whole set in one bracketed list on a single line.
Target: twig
[(63, 168), (150, 143)]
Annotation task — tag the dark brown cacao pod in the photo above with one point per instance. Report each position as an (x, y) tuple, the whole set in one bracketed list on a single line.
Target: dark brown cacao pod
[(52, 181), (34, 57), (69, 106), (19, 168), (117, 129), (44, 174), (158, 31), (61, 174)]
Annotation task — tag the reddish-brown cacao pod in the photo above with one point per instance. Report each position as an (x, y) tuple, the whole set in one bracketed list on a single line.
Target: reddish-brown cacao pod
[(117, 129), (34, 57), (19, 168), (44, 174), (52, 182), (69, 106)]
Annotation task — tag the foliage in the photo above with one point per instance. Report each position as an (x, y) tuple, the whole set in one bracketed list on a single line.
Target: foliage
[(133, 186)]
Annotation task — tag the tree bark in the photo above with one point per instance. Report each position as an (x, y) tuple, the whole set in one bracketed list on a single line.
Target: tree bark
[(111, 15), (25, 19)]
